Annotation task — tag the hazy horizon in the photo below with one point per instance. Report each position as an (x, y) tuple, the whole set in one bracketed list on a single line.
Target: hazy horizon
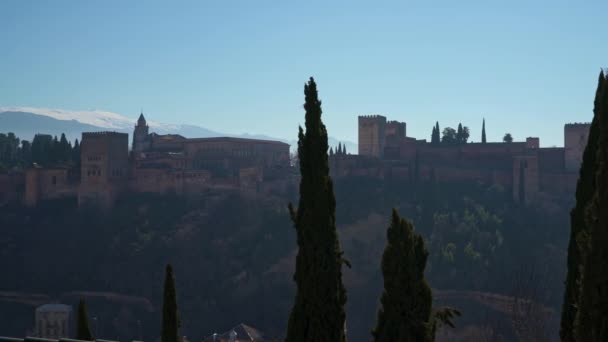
[(240, 67)]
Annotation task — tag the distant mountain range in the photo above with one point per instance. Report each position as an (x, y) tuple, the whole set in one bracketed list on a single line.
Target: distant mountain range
[(26, 122)]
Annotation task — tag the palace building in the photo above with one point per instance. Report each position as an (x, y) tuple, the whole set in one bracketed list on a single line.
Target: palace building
[(160, 164)]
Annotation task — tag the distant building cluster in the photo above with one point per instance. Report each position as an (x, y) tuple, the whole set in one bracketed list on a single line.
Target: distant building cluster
[(161, 164), (532, 173), (174, 164)]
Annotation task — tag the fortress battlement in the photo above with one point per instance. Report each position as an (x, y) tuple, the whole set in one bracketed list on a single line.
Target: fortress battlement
[(372, 116), (577, 124), (103, 133)]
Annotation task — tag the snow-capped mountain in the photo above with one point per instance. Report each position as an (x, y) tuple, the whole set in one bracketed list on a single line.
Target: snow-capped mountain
[(25, 122), (97, 118)]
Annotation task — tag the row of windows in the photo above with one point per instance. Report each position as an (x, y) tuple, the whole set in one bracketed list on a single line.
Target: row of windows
[(94, 158), (93, 172)]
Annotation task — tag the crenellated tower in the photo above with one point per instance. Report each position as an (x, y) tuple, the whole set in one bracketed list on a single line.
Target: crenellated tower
[(372, 136)]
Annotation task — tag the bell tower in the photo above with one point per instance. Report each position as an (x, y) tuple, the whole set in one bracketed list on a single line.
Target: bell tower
[(140, 134)]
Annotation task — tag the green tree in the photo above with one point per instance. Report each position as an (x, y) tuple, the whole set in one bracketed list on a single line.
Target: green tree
[(592, 316), (65, 149), (508, 138), (438, 132), (435, 135), (42, 149), (459, 134), (26, 152), (83, 332), (462, 134), (578, 226), (483, 132), (318, 312), (449, 136), (406, 302), (171, 322), (76, 153), (55, 150)]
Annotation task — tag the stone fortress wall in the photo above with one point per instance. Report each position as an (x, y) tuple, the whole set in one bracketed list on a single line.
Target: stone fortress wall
[(529, 171), (174, 164)]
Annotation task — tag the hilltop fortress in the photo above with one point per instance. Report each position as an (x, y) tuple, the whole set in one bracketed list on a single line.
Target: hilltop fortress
[(530, 172), (174, 164), (161, 164)]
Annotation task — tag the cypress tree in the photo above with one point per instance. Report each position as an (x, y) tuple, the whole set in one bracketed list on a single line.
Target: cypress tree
[(578, 227), (483, 132), (460, 135), (82, 323), (55, 150), (65, 149), (436, 136), (406, 302), (318, 312), (437, 132), (171, 323), (592, 316), (76, 153)]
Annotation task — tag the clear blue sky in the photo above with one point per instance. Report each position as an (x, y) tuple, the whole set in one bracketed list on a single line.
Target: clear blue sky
[(528, 67)]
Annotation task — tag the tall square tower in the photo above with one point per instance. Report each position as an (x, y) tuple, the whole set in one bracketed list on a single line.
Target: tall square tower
[(372, 136), (575, 141), (104, 166)]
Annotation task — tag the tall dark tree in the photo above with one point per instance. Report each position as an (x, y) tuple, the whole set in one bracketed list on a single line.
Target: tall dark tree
[(55, 150), (508, 138), (76, 153), (406, 302), (449, 136), (434, 136), (171, 322), (459, 134), (65, 149), (464, 136), (578, 226), (26, 152), (438, 132), (42, 149), (318, 312), (83, 332), (483, 132), (592, 315)]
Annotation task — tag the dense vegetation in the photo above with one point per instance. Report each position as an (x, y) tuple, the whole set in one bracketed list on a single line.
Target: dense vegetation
[(238, 268), (235, 255), (43, 150), (450, 136)]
